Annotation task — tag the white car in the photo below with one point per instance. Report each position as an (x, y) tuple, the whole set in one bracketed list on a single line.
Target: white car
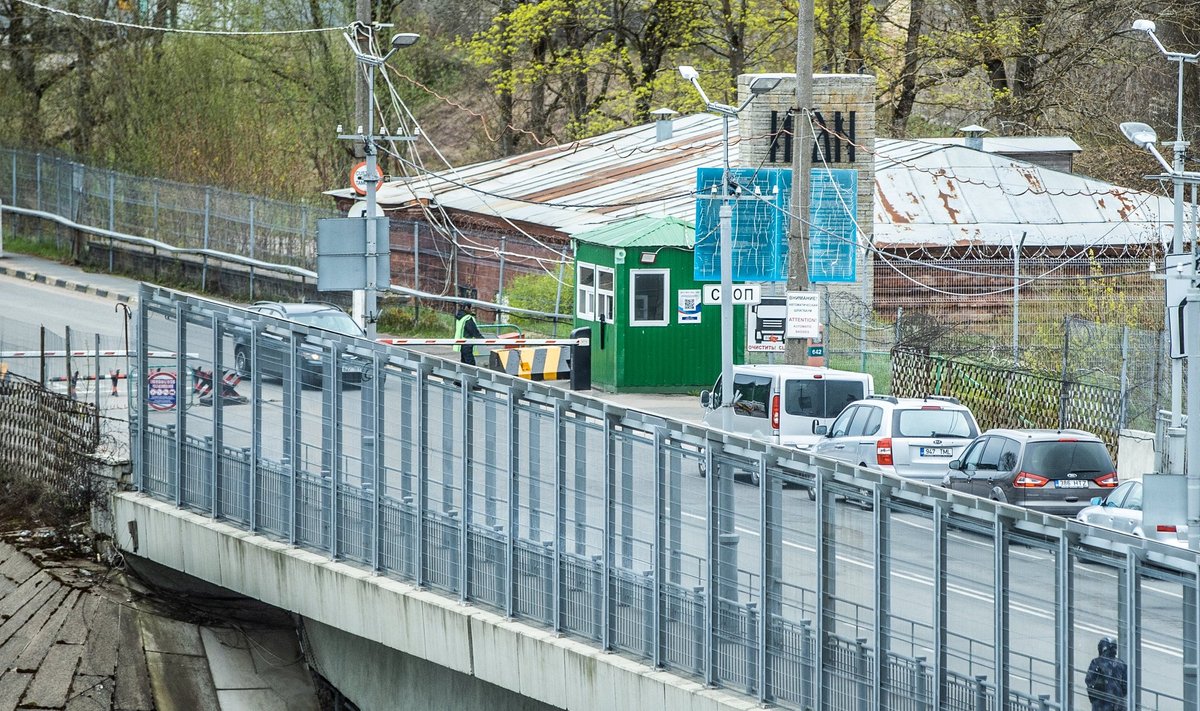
[(1122, 511)]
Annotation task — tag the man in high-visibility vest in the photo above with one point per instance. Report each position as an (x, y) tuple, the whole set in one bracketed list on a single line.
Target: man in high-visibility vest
[(465, 327)]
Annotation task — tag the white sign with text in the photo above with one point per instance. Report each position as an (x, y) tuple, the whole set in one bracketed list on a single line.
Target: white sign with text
[(803, 314), (742, 293)]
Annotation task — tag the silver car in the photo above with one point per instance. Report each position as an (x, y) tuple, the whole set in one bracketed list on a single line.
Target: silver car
[(916, 438), (1121, 510)]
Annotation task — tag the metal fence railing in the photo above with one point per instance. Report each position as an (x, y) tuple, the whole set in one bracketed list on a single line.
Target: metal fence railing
[(593, 521)]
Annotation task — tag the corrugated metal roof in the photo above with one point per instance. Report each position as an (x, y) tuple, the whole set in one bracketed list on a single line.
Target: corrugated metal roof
[(643, 232), (925, 193), (1015, 144), (951, 195)]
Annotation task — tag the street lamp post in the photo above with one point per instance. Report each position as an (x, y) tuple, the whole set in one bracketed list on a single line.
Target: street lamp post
[(758, 86), (399, 41), (1144, 137)]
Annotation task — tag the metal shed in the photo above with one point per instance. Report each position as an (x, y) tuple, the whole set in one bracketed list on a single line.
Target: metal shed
[(634, 289)]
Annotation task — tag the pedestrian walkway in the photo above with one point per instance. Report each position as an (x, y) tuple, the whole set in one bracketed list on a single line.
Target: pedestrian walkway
[(66, 276)]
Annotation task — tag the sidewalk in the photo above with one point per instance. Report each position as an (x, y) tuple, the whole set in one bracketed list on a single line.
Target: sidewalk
[(65, 276)]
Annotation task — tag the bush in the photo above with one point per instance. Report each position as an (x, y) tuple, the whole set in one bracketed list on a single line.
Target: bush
[(540, 292), (415, 321)]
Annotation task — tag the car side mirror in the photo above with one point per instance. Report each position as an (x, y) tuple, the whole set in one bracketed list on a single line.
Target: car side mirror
[(705, 398), (956, 464), (1097, 500), (819, 429)]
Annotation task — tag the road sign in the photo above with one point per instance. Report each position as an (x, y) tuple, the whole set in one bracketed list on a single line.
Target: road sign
[(358, 177), (765, 325), (1178, 282), (160, 390), (742, 293), (803, 314), (816, 351)]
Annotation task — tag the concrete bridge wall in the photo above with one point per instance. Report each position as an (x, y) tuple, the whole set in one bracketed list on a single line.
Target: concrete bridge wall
[(468, 648)]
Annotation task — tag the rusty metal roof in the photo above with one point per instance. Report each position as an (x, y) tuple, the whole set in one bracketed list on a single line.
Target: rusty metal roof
[(925, 193), (937, 194)]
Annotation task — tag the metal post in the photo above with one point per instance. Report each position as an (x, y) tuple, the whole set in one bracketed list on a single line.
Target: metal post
[(207, 217), (218, 415), (1000, 611), (500, 288), (608, 611), (252, 241), (1123, 412), (560, 514), (883, 595), (182, 383), (490, 466), (940, 615), (534, 447), (514, 504), (1016, 322), (71, 384), (1064, 393), (581, 487), (422, 415), (1131, 593), (708, 658), (1064, 621), (770, 551), (558, 297), (467, 472), (369, 317), (656, 638), (627, 503), (112, 205), (256, 428), (1193, 424), (726, 219), (96, 412)]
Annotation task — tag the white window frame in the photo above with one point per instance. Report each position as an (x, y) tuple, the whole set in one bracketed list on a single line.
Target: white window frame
[(666, 305), (585, 296), (606, 299)]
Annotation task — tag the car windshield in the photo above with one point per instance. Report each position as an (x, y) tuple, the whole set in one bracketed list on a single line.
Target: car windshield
[(1055, 460), (331, 320), (930, 422)]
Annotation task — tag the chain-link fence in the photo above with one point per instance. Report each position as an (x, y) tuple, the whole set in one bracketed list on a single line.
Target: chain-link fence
[(87, 368), (178, 214)]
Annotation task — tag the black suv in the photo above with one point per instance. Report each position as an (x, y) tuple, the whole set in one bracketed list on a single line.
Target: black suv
[(273, 349)]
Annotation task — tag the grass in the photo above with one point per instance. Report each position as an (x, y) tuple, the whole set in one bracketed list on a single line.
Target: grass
[(47, 249)]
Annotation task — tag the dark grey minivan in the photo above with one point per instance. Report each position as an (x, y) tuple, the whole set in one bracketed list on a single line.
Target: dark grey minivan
[(1052, 471)]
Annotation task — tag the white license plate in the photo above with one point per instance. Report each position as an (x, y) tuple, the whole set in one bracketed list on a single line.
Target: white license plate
[(937, 452), (1071, 483)]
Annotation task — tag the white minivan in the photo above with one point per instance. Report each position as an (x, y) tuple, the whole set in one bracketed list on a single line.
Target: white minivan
[(784, 404)]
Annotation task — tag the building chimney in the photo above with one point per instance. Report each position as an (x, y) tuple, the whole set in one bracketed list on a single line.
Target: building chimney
[(974, 135), (662, 124)]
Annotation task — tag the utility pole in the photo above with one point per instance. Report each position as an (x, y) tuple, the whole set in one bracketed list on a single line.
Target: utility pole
[(362, 94), (802, 145)]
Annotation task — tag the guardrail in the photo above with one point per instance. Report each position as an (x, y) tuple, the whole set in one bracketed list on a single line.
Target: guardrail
[(592, 520)]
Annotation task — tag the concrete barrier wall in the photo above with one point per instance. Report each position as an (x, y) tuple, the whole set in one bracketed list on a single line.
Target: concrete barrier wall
[(1135, 454), (484, 646)]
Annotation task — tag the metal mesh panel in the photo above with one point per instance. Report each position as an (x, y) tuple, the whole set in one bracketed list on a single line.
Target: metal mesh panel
[(875, 593)]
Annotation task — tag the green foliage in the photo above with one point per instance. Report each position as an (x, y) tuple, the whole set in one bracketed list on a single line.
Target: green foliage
[(414, 321), (541, 292), (47, 249)]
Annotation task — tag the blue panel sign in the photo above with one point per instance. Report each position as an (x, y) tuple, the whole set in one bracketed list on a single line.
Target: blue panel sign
[(833, 226), (759, 224), (761, 220)]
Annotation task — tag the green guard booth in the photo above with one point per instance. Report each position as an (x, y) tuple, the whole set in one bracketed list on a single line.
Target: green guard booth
[(634, 289)]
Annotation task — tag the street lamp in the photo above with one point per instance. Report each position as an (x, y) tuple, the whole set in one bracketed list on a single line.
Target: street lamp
[(399, 41), (1144, 137), (758, 86)]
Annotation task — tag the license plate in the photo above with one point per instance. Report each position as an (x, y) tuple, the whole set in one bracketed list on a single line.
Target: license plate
[(1072, 483), (937, 452)]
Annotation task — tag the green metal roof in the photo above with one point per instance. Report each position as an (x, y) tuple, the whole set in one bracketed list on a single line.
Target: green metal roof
[(643, 232)]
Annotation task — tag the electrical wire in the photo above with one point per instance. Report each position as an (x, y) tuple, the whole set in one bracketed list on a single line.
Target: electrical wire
[(173, 30)]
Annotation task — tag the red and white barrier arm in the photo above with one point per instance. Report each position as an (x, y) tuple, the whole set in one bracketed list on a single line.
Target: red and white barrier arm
[(90, 354)]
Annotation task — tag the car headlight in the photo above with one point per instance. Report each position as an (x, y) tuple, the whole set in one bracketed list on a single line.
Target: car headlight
[(311, 356)]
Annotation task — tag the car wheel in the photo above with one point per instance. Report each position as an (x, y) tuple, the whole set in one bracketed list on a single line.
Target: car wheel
[(241, 361)]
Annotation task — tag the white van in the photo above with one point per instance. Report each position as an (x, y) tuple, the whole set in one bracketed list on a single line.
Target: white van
[(784, 404)]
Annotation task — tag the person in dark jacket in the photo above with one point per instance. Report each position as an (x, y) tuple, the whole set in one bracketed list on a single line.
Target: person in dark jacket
[(465, 327), (1106, 678)]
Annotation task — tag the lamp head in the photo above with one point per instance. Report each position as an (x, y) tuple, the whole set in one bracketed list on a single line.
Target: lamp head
[(1139, 134), (404, 39), (762, 85), (1146, 26), (689, 72)]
